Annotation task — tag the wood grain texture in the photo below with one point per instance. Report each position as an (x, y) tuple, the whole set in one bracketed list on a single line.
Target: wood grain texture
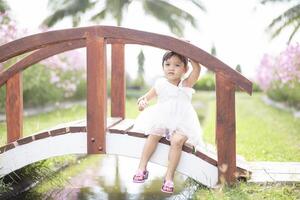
[(40, 40), (225, 130), (14, 108), (118, 81), (96, 94)]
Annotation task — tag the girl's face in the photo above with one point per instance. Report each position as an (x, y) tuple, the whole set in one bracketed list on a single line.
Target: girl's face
[(174, 68)]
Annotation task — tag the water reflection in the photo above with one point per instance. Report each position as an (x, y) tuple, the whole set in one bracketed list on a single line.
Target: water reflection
[(114, 181), (111, 179)]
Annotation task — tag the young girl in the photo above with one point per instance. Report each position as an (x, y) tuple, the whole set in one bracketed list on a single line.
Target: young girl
[(172, 117)]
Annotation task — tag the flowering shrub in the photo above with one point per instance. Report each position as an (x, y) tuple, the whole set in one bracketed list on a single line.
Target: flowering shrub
[(279, 76), (58, 77), (66, 71)]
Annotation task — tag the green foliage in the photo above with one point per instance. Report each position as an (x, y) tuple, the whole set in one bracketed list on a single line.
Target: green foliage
[(288, 20), (37, 88), (255, 87), (238, 68), (140, 81), (80, 92), (2, 99), (286, 94), (3, 6), (213, 50), (206, 82), (135, 94)]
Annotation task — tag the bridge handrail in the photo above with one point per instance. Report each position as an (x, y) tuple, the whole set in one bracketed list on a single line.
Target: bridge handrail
[(123, 35)]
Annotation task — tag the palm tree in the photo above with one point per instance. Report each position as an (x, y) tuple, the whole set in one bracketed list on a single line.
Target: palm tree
[(3, 6), (290, 18), (163, 10)]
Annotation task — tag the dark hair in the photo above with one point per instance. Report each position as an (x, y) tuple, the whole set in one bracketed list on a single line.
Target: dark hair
[(169, 54)]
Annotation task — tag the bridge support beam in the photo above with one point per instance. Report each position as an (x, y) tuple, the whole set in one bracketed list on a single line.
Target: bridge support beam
[(14, 108), (96, 94), (225, 130), (118, 81)]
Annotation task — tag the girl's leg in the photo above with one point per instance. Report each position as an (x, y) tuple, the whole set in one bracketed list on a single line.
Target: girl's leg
[(177, 141), (149, 148)]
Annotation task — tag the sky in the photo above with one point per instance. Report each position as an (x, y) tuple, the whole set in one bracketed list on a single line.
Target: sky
[(235, 27)]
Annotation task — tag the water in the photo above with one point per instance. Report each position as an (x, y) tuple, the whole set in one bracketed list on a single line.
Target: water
[(110, 178)]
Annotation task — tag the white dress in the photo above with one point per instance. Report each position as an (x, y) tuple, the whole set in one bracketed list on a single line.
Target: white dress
[(173, 112)]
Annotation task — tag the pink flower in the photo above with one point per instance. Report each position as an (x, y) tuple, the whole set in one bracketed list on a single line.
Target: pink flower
[(283, 68)]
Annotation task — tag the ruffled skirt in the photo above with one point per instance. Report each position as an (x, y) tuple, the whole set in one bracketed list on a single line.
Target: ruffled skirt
[(165, 119)]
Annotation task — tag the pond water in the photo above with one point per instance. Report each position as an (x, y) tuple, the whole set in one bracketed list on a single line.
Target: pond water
[(110, 178)]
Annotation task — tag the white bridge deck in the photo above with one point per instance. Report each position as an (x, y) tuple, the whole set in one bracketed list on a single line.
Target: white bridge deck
[(70, 138)]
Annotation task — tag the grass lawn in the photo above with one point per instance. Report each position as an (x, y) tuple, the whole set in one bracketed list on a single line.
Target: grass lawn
[(263, 133)]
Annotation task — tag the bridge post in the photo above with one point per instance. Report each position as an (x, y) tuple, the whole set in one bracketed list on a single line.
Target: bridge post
[(118, 82), (14, 108), (226, 130), (96, 94)]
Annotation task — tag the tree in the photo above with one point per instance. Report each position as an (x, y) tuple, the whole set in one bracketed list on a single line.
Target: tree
[(290, 18), (238, 68), (141, 71), (175, 18), (213, 50), (3, 6)]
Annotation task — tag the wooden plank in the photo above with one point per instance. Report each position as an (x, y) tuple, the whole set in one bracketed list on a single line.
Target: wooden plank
[(59, 131), (276, 167), (225, 130), (275, 172), (96, 94), (111, 121), (122, 127), (14, 108), (25, 140), (8, 147), (118, 81), (42, 135)]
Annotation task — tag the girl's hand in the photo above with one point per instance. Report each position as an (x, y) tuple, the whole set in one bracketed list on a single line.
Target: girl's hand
[(142, 103)]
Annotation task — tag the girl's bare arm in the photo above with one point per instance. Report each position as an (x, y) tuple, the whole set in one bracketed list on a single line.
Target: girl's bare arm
[(149, 95), (143, 100), (194, 75)]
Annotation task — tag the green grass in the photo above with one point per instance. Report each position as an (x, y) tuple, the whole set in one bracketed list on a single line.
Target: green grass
[(246, 191), (262, 132)]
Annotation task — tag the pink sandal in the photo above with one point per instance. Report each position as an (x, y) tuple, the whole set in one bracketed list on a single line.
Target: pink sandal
[(140, 176), (167, 187)]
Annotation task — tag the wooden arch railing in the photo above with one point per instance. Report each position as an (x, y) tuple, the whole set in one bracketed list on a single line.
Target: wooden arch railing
[(95, 39)]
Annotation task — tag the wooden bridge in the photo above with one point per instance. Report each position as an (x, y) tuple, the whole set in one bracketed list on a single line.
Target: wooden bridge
[(114, 135)]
